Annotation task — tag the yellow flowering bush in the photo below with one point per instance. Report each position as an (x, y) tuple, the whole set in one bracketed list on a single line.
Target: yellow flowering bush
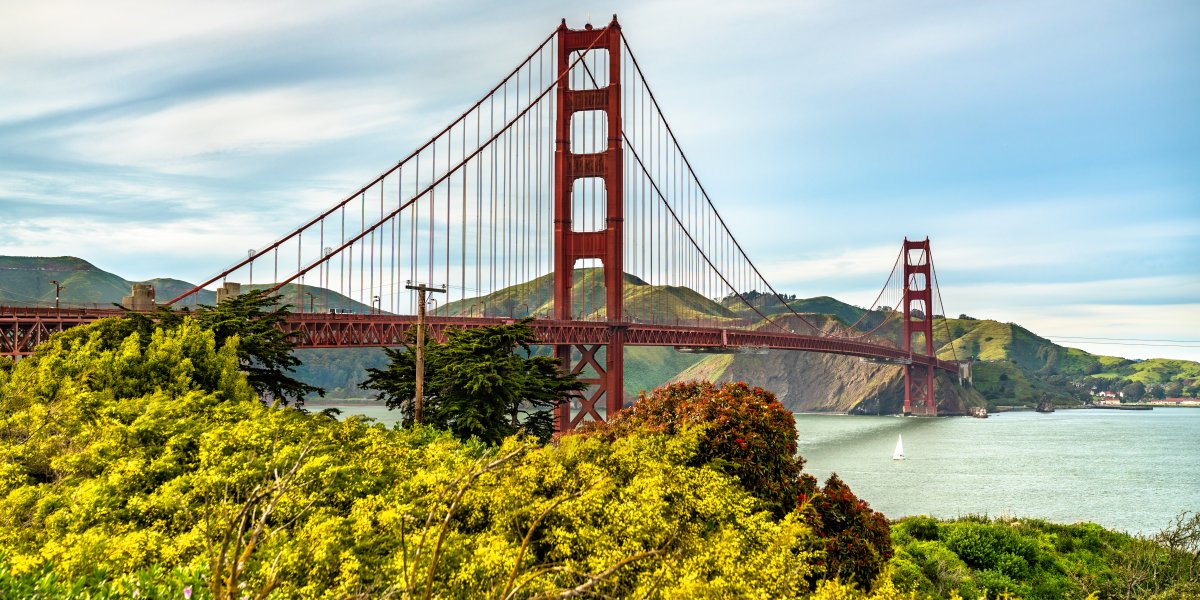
[(127, 464)]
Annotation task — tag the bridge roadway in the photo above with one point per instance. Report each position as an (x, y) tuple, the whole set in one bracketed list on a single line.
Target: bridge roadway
[(23, 328)]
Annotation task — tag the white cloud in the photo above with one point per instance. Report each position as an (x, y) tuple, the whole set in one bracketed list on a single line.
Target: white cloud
[(69, 29), (1140, 291), (62, 55), (127, 249), (832, 268), (195, 136)]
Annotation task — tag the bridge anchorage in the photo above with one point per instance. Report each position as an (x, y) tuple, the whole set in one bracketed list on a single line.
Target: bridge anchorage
[(562, 195)]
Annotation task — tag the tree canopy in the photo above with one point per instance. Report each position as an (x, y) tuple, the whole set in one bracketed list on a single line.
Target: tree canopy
[(1134, 392), (265, 351), (483, 382)]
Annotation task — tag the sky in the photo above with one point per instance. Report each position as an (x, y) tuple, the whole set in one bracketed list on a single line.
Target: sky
[(1050, 150)]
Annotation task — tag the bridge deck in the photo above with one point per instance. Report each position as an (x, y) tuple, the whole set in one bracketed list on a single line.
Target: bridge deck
[(23, 328)]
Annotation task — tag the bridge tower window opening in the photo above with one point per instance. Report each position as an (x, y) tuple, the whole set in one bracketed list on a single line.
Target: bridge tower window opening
[(589, 132), (589, 196), (916, 257), (590, 290), (591, 70)]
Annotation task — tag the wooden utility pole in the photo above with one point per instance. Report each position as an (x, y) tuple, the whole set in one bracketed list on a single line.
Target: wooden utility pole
[(419, 400), (58, 288)]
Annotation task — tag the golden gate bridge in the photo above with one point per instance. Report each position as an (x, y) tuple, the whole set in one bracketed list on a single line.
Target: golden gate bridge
[(563, 191)]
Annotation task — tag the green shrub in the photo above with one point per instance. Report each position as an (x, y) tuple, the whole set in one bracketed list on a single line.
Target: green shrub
[(998, 583), (922, 527), (907, 574), (151, 583), (1037, 560), (1179, 591), (944, 569), (994, 546)]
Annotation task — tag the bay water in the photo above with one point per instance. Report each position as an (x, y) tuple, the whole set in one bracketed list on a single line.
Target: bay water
[(1126, 470)]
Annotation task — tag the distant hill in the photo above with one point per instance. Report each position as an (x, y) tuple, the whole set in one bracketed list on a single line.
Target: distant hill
[(1012, 364), (25, 281), (820, 305), (643, 302), (1015, 363)]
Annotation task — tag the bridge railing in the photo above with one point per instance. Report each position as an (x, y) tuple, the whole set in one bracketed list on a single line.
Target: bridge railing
[(48, 308)]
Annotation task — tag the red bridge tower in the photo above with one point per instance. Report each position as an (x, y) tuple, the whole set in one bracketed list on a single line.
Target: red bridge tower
[(918, 320), (606, 244)]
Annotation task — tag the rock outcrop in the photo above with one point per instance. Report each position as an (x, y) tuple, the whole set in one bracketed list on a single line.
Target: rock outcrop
[(815, 382)]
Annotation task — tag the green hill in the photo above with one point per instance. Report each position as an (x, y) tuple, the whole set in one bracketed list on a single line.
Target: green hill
[(1155, 371), (1015, 364), (1012, 364), (166, 288), (643, 302), (25, 280)]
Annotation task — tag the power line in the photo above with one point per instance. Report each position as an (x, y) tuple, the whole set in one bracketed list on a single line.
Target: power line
[(1080, 337), (1134, 344)]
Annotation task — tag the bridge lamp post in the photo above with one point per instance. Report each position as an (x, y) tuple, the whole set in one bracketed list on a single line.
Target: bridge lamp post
[(419, 400), (375, 304), (311, 297), (58, 288)]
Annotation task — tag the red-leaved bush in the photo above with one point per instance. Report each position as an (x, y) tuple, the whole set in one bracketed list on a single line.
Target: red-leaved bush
[(749, 433), (858, 540)]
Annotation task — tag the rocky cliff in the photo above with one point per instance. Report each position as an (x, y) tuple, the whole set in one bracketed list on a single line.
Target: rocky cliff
[(815, 382)]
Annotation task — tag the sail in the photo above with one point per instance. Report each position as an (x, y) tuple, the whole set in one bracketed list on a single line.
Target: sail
[(899, 453)]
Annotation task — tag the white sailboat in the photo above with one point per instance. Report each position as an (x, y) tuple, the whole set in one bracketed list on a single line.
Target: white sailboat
[(899, 453)]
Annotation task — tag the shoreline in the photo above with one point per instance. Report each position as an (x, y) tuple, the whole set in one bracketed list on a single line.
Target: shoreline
[(344, 402)]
